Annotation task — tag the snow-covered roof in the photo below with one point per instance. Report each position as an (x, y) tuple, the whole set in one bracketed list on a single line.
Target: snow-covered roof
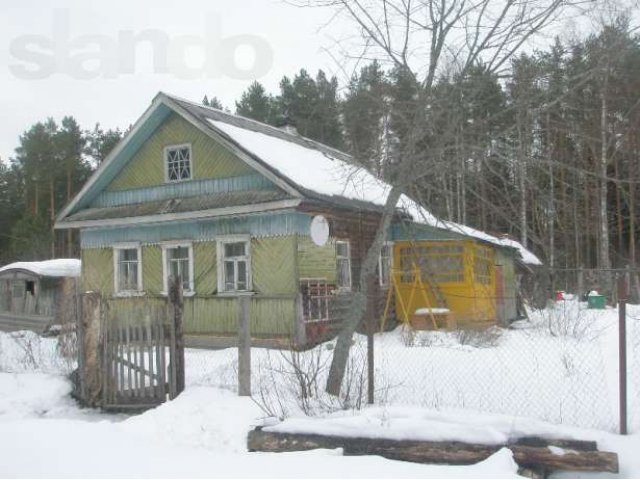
[(300, 166), (308, 167), (422, 215), (324, 173), (59, 267)]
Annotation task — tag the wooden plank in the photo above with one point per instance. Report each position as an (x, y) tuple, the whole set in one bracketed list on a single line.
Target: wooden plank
[(451, 453), (115, 388), (584, 445), (139, 362), (244, 347), (121, 347), (157, 342), (127, 334), (172, 358), (113, 362), (105, 363), (160, 359), (150, 373)]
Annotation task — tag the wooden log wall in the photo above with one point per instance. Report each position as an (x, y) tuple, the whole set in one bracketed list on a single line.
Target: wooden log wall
[(359, 227)]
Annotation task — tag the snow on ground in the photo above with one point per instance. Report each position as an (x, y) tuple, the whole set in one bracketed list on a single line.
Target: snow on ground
[(202, 433), (563, 353)]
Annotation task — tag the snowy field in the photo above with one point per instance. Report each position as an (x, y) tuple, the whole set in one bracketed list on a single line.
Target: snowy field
[(203, 432)]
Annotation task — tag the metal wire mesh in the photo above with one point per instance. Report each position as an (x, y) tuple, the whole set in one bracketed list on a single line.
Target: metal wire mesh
[(213, 368), (560, 366)]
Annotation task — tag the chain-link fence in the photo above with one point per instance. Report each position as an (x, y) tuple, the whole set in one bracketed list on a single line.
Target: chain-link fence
[(560, 365)]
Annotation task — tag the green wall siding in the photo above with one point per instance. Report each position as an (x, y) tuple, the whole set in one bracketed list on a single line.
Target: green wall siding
[(204, 269), (315, 261), (270, 317), (273, 265), (152, 269), (209, 159), (97, 270)]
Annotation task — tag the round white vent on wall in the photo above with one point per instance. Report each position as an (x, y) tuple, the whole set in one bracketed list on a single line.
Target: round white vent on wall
[(319, 230)]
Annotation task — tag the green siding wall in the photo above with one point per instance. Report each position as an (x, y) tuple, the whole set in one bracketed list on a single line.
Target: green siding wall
[(204, 269), (97, 270), (152, 269), (273, 265), (209, 159), (315, 261), (219, 316)]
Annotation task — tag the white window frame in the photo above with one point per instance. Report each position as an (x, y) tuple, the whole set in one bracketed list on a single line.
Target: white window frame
[(220, 243), (166, 162), (116, 269), (344, 288), (165, 267), (385, 282)]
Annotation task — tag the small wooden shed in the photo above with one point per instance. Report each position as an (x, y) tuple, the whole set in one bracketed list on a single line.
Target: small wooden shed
[(446, 274), (32, 293)]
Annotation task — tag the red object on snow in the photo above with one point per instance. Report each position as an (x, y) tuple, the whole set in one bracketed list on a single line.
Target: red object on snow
[(559, 295)]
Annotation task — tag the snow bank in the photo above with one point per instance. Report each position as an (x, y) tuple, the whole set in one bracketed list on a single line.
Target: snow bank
[(413, 423), (201, 434), (59, 267), (32, 394), (204, 417)]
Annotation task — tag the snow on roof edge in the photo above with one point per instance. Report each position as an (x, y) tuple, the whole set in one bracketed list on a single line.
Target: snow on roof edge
[(424, 216), (354, 182), (59, 267)]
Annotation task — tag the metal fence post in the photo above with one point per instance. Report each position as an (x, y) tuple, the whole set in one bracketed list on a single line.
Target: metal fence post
[(244, 347), (622, 350)]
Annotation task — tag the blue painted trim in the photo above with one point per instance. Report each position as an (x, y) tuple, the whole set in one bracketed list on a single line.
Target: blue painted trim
[(253, 181), (257, 225), (133, 144), (417, 231)]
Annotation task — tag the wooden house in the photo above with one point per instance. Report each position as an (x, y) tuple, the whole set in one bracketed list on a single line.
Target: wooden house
[(33, 294), (235, 207)]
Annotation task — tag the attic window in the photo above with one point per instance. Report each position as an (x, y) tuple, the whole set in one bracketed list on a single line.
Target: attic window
[(178, 162)]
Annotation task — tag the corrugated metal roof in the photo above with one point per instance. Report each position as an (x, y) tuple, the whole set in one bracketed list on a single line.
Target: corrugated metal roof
[(179, 205)]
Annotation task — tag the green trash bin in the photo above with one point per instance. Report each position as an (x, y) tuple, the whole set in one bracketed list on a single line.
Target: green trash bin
[(596, 301)]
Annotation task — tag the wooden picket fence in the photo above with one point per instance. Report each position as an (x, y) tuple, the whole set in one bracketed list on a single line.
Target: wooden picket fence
[(139, 360)]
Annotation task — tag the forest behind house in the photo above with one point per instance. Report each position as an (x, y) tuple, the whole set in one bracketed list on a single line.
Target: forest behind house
[(546, 152)]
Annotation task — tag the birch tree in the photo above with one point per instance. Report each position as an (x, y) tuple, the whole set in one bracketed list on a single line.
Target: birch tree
[(424, 39)]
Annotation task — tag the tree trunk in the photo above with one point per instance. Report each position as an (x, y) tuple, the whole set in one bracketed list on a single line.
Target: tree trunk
[(358, 303), (605, 261)]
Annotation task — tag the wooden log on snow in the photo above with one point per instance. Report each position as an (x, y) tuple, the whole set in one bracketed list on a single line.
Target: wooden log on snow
[(538, 457)]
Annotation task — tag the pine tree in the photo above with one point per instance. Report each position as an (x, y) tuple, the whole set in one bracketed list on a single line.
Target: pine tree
[(365, 111), (256, 104)]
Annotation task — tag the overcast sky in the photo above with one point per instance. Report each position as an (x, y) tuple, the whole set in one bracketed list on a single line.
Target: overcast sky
[(36, 83), (105, 61)]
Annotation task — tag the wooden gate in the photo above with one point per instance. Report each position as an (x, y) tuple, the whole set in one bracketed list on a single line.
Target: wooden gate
[(139, 361)]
